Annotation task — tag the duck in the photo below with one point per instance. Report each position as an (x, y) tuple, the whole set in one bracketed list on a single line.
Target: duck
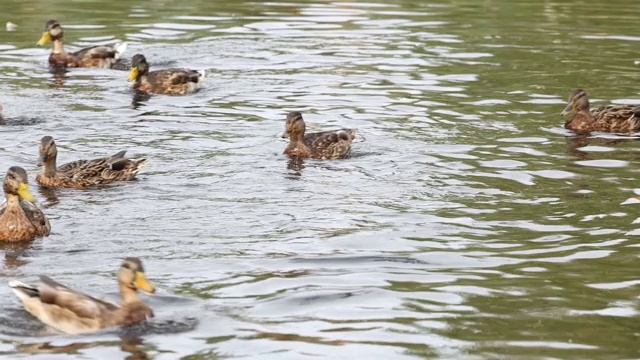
[(73, 312), (101, 56), (334, 144), (168, 81), (84, 173), (612, 118), (20, 219)]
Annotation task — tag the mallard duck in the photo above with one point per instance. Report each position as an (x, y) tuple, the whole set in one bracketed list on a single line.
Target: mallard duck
[(101, 56), (83, 173), (73, 312), (20, 220), (334, 144), (167, 81), (612, 118)]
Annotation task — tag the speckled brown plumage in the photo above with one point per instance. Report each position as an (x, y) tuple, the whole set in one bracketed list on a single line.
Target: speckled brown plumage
[(101, 56), (321, 145), (168, 81), (73, 312), (20, 220), (84, 173), (617, 119)]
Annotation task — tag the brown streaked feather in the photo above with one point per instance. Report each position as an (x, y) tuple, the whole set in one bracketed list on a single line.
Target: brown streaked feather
[(37, 218), (169, 81), (102, 56), (335, 144), (97, 57), (20, 220), (84, 173), (611, 118)]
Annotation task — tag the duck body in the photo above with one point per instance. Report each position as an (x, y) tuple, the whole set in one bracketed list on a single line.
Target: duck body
[(101, 56), (334, 144), (84, 173), (168, 81), (612, 118), (73, 312), (20, 219)]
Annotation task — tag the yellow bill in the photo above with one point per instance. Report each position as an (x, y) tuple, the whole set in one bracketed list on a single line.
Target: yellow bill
[(45, 39), (24, 193), (133, 74), (143, 284)]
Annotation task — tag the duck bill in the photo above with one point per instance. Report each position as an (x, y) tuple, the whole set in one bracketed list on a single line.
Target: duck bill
[(24, 193), (45, 39), (41, 160), (286, 134), (133, 74), (143, 284), (567, 110)]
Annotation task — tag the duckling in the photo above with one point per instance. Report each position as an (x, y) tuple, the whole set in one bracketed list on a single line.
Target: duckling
[(101, 56), (73, 312), (20, 220), (612, 118), (168, 81), (84, 173), (335, 144)]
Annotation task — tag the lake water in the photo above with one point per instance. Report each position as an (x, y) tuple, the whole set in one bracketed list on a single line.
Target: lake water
[(469, 223)]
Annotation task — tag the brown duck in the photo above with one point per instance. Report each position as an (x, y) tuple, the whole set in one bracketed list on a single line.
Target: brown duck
[(20, 220), (168, 81), (612, 118), (334, 144), (101, 56), (84, 173), (73, 312)]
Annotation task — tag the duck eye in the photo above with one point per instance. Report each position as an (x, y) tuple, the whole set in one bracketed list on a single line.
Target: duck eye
[(126, 266)]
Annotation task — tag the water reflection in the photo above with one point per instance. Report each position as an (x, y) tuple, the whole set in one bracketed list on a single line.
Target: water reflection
[(14, 253), (130, 344), (296, 164), (139, 98)]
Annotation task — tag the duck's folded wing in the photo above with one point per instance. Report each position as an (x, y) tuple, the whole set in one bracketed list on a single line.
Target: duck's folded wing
[(172, 77), (327, 139), (72, 166), (97, 52), (81, 305), (37, 217)]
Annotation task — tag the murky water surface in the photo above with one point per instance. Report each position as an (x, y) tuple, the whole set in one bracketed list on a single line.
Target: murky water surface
[(468, 224)]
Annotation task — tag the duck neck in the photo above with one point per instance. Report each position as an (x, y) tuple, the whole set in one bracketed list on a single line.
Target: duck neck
[(296, 138), (128, 295), (13, 200), (50, 166), (57, 46)]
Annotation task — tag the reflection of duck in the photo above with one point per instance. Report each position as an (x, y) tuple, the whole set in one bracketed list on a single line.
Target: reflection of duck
[(101, 56), (619, 119), (73, 312), (334, 144), (20, 220), (168, 81), (83, 173)]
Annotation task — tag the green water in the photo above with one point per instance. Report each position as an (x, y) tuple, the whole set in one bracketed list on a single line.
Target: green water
[(469, 223)]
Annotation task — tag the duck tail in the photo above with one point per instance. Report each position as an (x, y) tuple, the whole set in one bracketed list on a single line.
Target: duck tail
[(23, 290), (119, 48)]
